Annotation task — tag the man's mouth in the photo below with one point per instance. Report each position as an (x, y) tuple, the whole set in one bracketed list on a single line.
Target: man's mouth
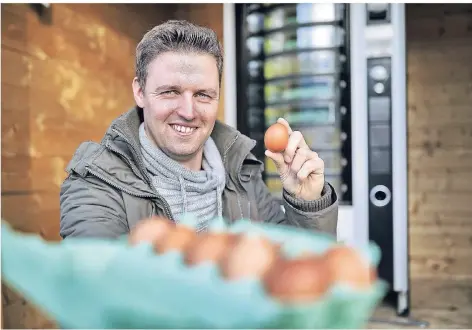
[(183, 130)]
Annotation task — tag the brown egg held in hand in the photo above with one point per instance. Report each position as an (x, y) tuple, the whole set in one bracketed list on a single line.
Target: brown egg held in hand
[(276, 138), (248, 257), (150, 230), (177, 239), (347, 266), (208, 247), (300, 280)]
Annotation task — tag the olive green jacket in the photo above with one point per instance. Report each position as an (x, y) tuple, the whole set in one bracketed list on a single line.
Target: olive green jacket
[(108, 190)]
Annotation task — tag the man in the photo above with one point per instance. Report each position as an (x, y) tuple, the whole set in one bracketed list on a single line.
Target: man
[(169, 155)]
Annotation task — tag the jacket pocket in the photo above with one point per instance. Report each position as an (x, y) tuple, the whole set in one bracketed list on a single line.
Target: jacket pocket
[(247, 177)]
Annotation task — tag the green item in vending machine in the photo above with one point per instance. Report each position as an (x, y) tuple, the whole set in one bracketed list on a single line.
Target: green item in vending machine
[(290, 45), (270, 69), (270, 93)]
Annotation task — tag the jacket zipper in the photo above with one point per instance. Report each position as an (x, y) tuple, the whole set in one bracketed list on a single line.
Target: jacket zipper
[(167, 209), (103, 178)]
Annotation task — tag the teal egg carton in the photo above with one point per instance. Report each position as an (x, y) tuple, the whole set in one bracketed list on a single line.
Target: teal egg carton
[(95, 283)]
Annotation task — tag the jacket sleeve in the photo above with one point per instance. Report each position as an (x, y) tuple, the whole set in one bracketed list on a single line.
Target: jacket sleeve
[(90, 208), (320, 215)]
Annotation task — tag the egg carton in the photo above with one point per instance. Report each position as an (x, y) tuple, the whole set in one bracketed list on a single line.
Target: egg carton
[(92, 283)]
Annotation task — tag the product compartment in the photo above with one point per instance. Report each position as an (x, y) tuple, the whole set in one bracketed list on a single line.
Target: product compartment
[(301, 114), (301, 88), (303, 63), (304, 38)]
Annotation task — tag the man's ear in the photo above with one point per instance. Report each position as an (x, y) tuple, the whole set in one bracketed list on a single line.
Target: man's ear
[(138, 93)]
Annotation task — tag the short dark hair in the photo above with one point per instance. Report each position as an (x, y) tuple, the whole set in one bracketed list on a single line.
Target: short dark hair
[(176, 36)]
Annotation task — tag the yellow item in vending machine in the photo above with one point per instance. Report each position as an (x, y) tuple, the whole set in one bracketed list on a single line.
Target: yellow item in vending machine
[(274, 184), (270, 167)]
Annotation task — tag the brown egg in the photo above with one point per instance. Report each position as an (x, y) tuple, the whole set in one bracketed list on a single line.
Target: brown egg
[(346, 265), (276, 138), (248, 257), (208, 247), (298, 280), (178, 239), (373, 275), (150, 230)]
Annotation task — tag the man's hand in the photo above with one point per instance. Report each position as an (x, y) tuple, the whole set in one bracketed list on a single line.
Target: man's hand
[(301, 170)]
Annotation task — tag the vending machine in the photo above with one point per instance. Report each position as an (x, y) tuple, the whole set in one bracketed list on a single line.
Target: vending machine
[(337, 73)]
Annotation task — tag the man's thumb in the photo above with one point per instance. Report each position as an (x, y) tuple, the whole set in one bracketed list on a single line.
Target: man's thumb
[(278, 159)]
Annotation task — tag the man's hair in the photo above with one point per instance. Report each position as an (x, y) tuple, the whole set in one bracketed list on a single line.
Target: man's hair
[(176, 36)]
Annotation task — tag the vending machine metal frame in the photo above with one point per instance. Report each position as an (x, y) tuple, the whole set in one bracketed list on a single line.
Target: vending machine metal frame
[(379, 140)]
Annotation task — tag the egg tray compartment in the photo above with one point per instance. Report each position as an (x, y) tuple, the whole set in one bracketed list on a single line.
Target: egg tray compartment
[(90, 283)]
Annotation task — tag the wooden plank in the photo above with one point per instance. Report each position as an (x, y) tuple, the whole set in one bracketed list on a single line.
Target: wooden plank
[(455, 78), (427, 52), (20, 9), (441, 295), (438, 25), (422, 211), (439, 180), (137, 18), (16, 68), (416, 11), (25, 315), (446, 136), (33, 213), (444, 243), (77, 93), (441, 267), (83, 42), (14, 28), (450, 159), (14, 97), (437, 115), (77, 39), (429, 223), (428, 218), (23, 173), (441, 202), (49, 141)]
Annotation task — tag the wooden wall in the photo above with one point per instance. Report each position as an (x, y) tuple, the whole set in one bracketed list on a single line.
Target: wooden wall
[(439, 42), (65, 76)]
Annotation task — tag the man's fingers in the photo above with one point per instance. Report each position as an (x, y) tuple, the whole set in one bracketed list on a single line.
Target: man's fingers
[(286, 124), (278, 159), (295, 141), (315, 166), (301, 156)]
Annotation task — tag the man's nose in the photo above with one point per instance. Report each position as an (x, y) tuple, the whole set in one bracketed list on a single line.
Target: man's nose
[(186, 109)]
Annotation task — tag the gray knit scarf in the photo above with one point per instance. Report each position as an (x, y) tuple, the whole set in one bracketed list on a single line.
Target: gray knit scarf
[(188, 192)]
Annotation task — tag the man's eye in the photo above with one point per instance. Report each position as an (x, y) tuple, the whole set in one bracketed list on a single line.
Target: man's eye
[(169, 93), (202, 95)]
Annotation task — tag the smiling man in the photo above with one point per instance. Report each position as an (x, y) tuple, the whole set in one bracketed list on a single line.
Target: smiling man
[(169, 155)]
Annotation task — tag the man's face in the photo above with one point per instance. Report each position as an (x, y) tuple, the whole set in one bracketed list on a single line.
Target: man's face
[(180, 102)]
